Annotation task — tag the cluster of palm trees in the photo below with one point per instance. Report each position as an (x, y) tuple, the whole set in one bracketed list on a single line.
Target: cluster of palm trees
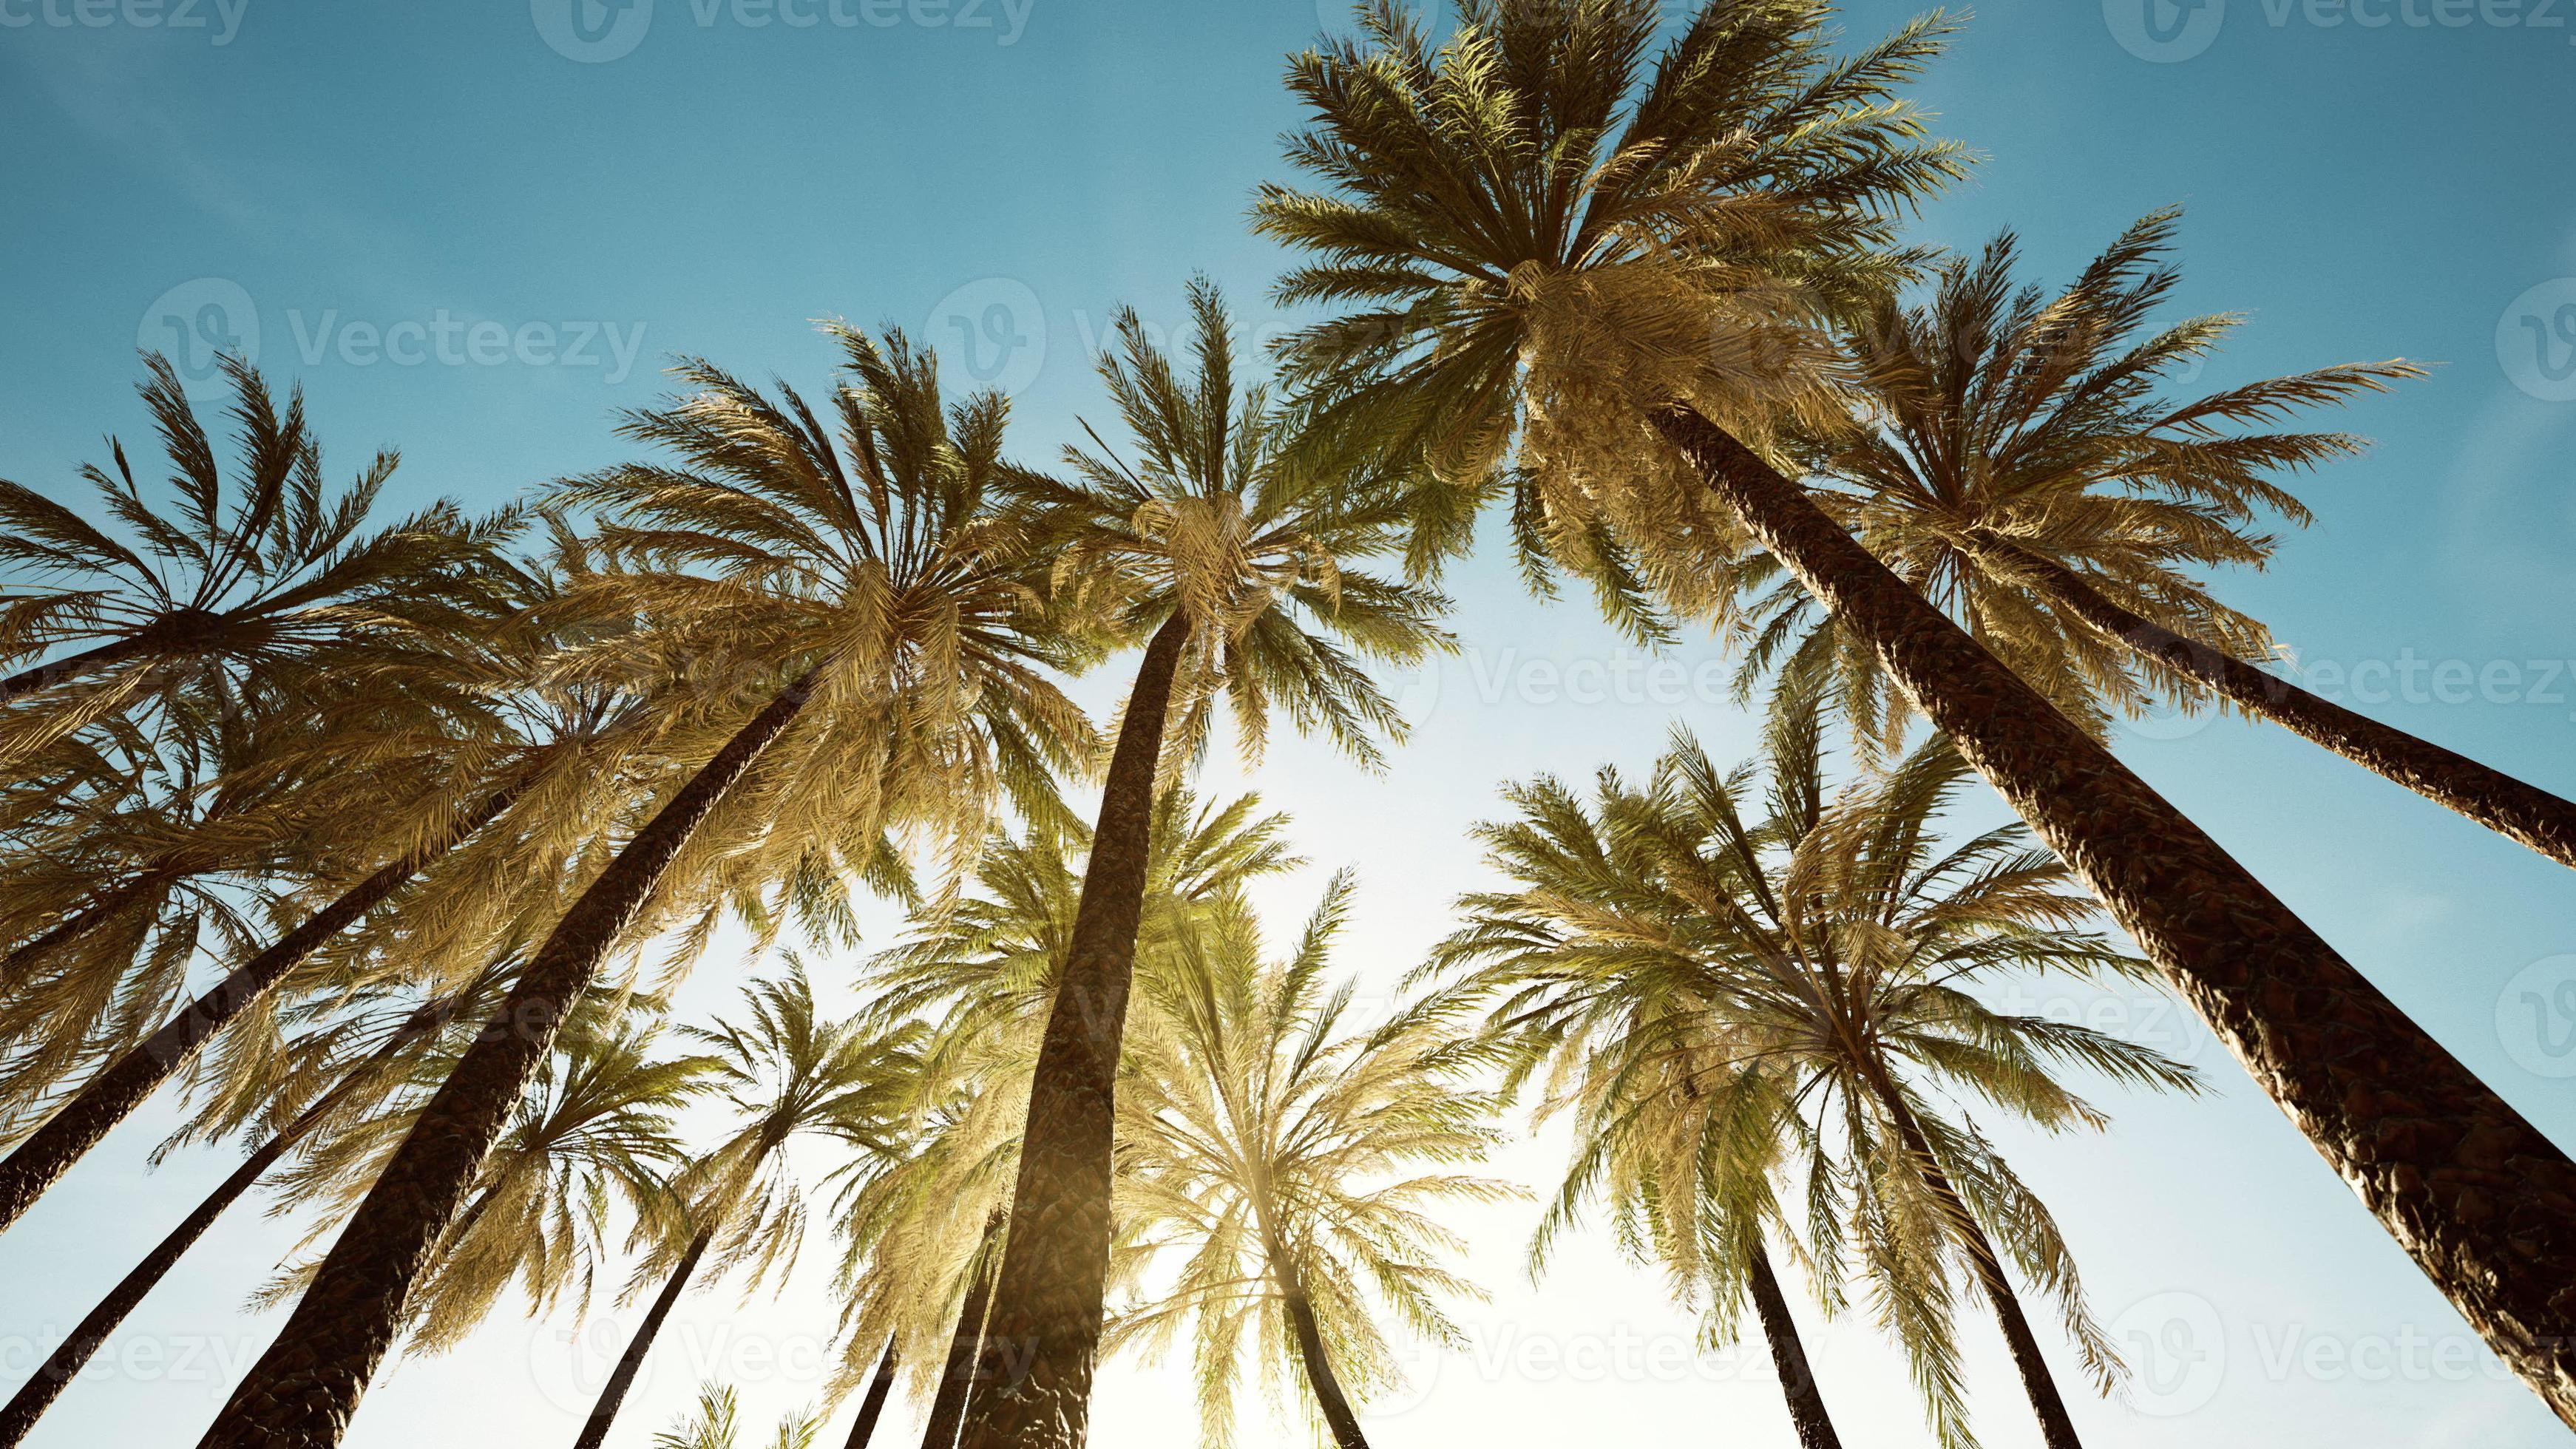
[(384, 843)]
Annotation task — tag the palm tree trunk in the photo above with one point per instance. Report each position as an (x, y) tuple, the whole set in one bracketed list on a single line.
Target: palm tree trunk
[(1336, 1406), (604, 1412), (965, 1347), (73, 1354), (72, 666), (1047, 1304), (871, 1408), (2057, 1426), (2484, 1202), (111, 1096), (2494, 799), (303, 1390), (1789, 1356)]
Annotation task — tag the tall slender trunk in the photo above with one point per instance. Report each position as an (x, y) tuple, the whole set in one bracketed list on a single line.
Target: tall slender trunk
[(2484, 1202), (872, 1407), (2492, 798), (2057, 1426), (1789, 1356), (1318, 1364), (1047, 1304), (630, 1363), (965, 1346), (73, 1354), (303, 1390), (112, 1095)]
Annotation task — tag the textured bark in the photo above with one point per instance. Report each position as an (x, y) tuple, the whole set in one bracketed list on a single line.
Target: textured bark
[(872, 1408), (302, 1392), (2494, 799), (2056, 1425), (74, 1353), (111, 1096), (630, 1363), (1047, 1304), (2483, 1201), (965, 1347), (1789, 1357), (1311, 1356)]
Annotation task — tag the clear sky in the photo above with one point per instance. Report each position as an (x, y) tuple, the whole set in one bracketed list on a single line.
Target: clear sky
[(474, 229)]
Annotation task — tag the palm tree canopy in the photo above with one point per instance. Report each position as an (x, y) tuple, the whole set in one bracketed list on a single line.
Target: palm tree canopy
[(1540, 235), (1212, 514), (1273, 1146), (259, 583), (1796, 959), (2003, 412)]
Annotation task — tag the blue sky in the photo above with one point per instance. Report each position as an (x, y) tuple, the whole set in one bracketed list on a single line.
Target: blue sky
[(473, 230)]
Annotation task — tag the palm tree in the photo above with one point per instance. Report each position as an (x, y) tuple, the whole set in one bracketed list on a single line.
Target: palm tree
[(1799, 959), (2032, 480), (715, 1423), (595, 1134), (1239, 568), (785, 1073), (398, 1037), (1635, 275), (863, 573), (983, 970), (259, 584), (1267, 1143)]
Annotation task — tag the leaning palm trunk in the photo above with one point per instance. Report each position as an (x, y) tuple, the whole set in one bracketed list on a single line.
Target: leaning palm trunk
[(1047, 1303), (301, 1393), (965, 1347), (68, 1359), (1336, 1406), (2484, 1202), (872, 1408), (113, 1094), (1789, 1357), (88, 661), (2057, 1426), (2494, 799), (613, 1395)]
